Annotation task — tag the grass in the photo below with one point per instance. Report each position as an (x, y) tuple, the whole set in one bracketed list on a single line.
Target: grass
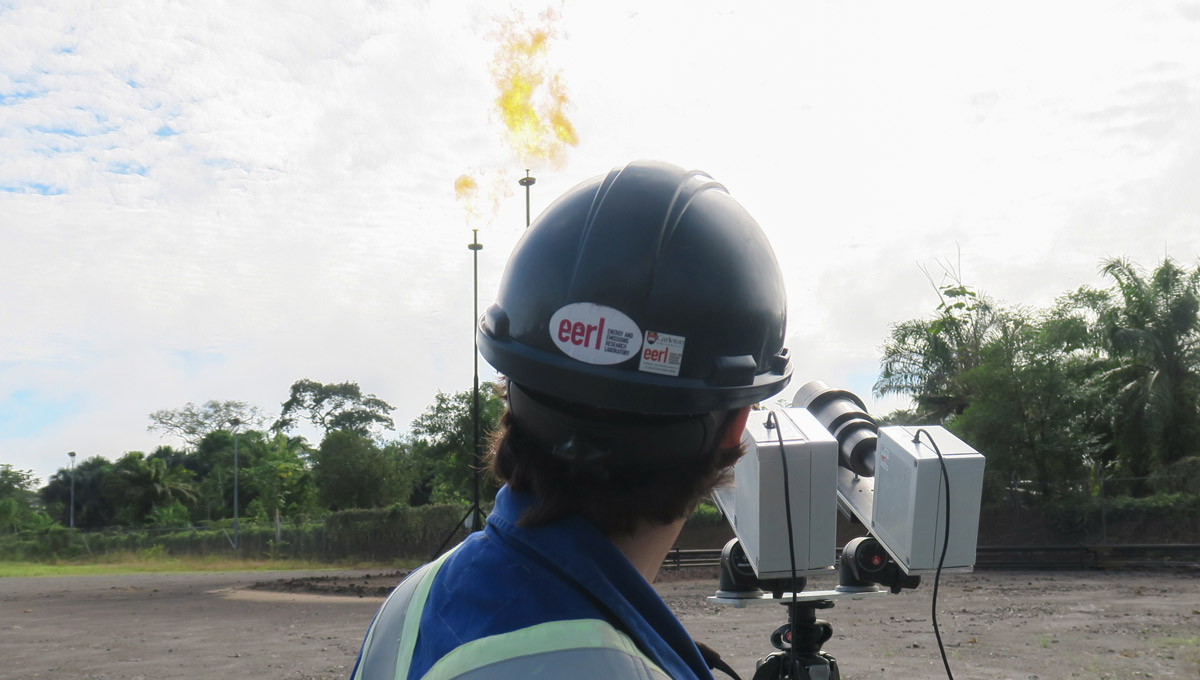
[(135, 563)]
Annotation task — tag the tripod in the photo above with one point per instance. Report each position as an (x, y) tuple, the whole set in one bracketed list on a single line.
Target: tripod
[(799, 644)]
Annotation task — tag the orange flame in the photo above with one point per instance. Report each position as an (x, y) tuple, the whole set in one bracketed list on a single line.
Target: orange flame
[(533, 100), (467, 191), (465, 187)]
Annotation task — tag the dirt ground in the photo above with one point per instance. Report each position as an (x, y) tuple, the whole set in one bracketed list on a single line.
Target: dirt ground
[(1010, 625)]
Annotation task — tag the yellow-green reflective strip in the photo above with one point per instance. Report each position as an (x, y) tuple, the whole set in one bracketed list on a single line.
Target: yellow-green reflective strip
[(412, 617), (544, 637)]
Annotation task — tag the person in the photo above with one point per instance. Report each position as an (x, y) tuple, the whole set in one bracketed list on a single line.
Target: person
[(637, 321)]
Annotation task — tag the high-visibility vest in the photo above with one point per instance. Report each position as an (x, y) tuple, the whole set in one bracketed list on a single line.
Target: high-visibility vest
[(579, 649)]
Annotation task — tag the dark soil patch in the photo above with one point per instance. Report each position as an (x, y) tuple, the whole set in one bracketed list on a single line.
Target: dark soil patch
[(365, 585)]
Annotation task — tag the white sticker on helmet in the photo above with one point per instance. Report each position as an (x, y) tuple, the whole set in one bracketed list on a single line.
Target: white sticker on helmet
[(662, 353), (594, 333)]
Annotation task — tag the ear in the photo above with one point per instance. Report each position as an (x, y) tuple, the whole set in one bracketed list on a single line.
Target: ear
[(735, 423)]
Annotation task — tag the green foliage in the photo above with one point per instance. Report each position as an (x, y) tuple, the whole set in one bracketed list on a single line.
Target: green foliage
[(1102, 384), (389, 533), (351, 471), (138, 485), (336, 406), (18, 499), (442, 450), (93, 509), (926, 358), (170, 515), (1081, 514), (706, 513), (1151, 329)]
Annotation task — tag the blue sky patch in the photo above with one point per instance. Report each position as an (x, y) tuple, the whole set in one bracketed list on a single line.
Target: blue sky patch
[(25, 413), (129, 168), (196, 361), (11, 98), (165, 131), (64, 131), (32, 188)]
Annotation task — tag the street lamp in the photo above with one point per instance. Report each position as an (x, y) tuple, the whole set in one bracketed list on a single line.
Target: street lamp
[(234, 425), (71, 454)]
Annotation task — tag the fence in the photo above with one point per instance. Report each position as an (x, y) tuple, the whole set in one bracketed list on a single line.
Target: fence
[(383, 535)]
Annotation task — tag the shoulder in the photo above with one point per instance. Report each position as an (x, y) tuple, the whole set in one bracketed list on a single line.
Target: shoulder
[(579, 649), (486, 590)]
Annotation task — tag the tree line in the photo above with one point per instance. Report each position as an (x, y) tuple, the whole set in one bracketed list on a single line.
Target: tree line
[(280, 476), (1100, 388)]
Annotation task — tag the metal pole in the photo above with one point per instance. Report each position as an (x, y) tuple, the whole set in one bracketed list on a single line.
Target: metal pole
[(235, 492), (476, 512), (235, 423), (527, 182), (72, 456)]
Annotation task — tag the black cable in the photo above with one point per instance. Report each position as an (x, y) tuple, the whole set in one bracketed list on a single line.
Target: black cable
[(937, 576), (773, 422)]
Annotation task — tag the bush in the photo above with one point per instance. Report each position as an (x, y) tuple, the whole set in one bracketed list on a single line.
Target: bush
[(1084, 513)]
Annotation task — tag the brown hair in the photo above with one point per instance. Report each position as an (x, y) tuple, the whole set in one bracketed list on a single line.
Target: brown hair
[(614, 496)]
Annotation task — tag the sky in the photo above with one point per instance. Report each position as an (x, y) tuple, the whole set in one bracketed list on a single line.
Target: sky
[(212, 200)]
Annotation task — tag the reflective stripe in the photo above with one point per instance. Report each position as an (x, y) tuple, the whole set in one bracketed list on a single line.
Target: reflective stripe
[(388, 647), (582, 649), (575, 664)]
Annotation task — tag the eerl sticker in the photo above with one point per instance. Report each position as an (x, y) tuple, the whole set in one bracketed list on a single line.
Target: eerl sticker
[(594, 333), (661, 353)]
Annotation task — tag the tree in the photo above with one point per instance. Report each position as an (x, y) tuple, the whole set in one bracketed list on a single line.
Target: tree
[(282, 479), (17, 484), (93, 509), (443, 449), (18, 500), (193, 423), (351, 471), (137, 486), (336, 406), (1027, 411), (1151, 329), (925, 359), (212, 464)]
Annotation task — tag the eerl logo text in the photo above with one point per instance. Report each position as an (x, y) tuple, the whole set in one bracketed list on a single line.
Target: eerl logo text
[(594, 333)]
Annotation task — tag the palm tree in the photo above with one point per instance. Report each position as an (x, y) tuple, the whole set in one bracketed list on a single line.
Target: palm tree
[(1152, 333), (926, 359), (140, 485)]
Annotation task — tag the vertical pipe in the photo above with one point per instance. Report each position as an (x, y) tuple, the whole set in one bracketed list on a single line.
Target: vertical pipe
[(476, 512), (527, 182), (72, 455), (235, 491)]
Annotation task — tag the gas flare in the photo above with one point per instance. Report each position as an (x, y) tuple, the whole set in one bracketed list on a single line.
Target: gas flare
[(532, 100), (480, 205)]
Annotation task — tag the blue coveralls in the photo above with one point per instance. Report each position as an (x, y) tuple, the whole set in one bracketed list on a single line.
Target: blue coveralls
[(513, 602)]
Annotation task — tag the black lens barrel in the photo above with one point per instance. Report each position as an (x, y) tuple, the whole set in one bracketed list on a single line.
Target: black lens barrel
[(846, 418)]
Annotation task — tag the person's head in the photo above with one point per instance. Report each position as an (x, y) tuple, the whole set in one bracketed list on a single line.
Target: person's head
[(637, 320)]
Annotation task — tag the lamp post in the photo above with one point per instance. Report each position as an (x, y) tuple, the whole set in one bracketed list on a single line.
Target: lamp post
[(234, 424), (71, 454)]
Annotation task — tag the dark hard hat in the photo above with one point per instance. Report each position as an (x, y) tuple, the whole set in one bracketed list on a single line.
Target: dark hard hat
[(648, 290)]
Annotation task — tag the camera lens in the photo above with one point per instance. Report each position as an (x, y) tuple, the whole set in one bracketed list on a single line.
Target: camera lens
[(846, 418)]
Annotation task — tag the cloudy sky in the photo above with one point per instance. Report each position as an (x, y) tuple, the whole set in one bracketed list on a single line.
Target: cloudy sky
[(211, 200)]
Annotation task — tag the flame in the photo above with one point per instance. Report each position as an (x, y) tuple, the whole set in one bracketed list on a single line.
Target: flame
[(467, 191), (532, 100), (465, 187)]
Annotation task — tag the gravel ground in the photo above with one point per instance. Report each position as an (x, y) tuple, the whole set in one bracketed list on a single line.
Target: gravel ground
[(1018, 625)]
